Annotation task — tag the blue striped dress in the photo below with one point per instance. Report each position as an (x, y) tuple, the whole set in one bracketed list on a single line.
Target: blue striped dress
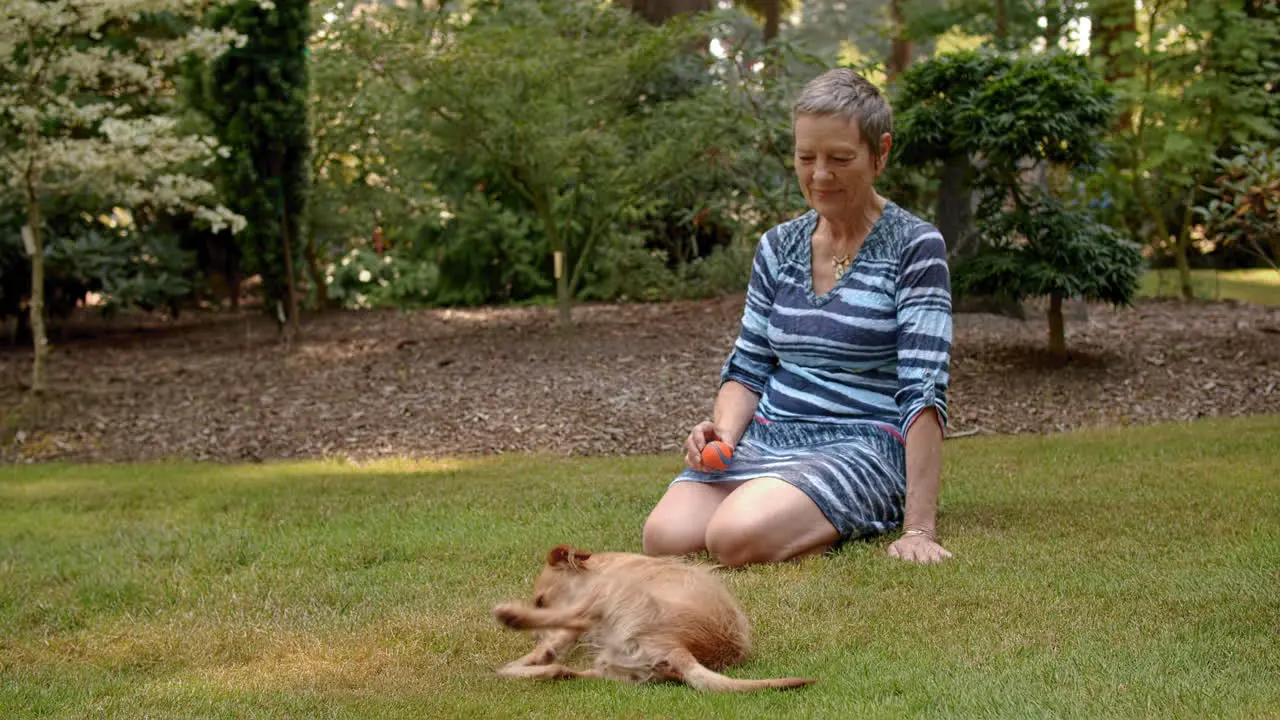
[(841, 376)]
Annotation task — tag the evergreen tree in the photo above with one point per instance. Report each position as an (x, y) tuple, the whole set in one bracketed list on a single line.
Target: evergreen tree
[(256, 96)]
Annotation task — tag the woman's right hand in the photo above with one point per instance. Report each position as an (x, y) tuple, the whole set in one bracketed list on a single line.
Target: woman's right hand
[(702, 433)]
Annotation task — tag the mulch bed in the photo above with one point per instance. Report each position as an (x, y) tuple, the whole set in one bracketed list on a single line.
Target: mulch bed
[(628, 379)]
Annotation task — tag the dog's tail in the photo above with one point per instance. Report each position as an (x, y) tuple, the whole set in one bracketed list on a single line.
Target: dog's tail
[(686, 667)]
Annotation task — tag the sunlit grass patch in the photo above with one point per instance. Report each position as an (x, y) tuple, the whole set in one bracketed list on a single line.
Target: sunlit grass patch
[(1109, 573), (1258, 285)]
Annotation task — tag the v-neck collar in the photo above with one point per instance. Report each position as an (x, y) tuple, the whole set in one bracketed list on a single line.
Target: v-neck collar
[(806, 254)]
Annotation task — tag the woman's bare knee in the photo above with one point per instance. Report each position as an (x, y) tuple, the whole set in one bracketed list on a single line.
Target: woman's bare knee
[(732, 545), (766, 521), (664, 537), (735, 542), (678, 524)]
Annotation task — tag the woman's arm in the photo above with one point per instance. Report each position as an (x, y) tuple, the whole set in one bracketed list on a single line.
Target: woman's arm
[(746, 371), (924, 477), (735, 405), (924, 360)]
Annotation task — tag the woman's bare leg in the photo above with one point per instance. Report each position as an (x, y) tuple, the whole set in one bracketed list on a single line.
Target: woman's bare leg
[(767, 520), (678, 523)]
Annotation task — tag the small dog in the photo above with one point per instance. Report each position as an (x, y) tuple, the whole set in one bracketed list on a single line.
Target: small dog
[(646, 619)]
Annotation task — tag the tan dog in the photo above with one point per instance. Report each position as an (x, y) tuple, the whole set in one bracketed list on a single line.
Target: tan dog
[(646, 619)]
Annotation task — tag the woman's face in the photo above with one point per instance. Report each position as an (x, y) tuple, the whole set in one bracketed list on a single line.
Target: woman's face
[(837, 173)]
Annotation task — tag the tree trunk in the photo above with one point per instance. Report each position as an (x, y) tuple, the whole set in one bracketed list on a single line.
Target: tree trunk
[(659, 11), (39, 334), (1180, 252), (33, 242), (1002, 23), (772, 19), (232, 269), (1111, 22), (317, 277), (1184, 273), (1057, 328), (563, 301), (291, 284), (954, 209), (900, 51), (1053, 15), (559, 255)]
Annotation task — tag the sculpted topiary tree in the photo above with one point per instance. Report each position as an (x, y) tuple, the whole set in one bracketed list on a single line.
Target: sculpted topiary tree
[(1020, 122)]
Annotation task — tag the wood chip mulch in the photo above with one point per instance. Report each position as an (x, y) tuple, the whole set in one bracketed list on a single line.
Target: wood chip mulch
[(628, 379)]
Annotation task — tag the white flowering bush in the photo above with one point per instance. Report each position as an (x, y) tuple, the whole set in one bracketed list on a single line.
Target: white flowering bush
[(362, 279), (85, 101)]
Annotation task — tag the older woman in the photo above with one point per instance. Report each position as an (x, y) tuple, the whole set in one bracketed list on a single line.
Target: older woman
[(834, 395)]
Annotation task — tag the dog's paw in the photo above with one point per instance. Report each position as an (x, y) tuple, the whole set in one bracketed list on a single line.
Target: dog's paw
[(510, 614)]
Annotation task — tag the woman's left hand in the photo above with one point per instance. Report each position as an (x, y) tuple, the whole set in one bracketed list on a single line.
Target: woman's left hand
[(918, 548)]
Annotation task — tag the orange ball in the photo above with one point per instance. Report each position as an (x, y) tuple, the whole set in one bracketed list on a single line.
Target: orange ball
[(716, 455)]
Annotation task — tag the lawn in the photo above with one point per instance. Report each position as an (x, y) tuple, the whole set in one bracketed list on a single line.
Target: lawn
[(1127, 573), (1260, 285)]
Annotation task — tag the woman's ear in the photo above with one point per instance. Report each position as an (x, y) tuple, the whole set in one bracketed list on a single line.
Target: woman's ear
[(886, 144)]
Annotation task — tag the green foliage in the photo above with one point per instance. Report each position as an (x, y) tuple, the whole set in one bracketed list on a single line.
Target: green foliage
[(632, 271), (131, 262), (1029, 123), (486, 252), (129, 268), (90, 128), (367, 170), (255, 99), (549, 107), (364, 279), (1051, 251), (838, 30), (1006, 109), (1199, 83), (482, 144), (1244, 204)]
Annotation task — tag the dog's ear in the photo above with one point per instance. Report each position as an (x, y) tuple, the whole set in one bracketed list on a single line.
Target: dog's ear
[(566, 556)]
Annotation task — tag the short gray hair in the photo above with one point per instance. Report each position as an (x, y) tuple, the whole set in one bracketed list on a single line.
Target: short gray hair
[(845, 93)]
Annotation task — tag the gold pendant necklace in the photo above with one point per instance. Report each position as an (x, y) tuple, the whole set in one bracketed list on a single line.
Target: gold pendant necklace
[(840, 265)]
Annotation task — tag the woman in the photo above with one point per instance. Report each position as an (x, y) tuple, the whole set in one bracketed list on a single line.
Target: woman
[(834, 396)]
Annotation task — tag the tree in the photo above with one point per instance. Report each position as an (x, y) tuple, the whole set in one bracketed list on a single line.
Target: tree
[(1202, 84), (82, 95), (559, 111), (364, 170), (769, 12), (931, 98), (1025, 120), (256, 96), (658, 12), (889, 32)]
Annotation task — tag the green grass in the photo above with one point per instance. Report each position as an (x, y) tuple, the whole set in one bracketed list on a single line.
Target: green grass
[(1261, 285), (1107, 574)]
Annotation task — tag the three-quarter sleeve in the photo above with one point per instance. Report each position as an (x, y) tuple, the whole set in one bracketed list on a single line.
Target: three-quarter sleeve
[(924, 327), (752, 359)]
